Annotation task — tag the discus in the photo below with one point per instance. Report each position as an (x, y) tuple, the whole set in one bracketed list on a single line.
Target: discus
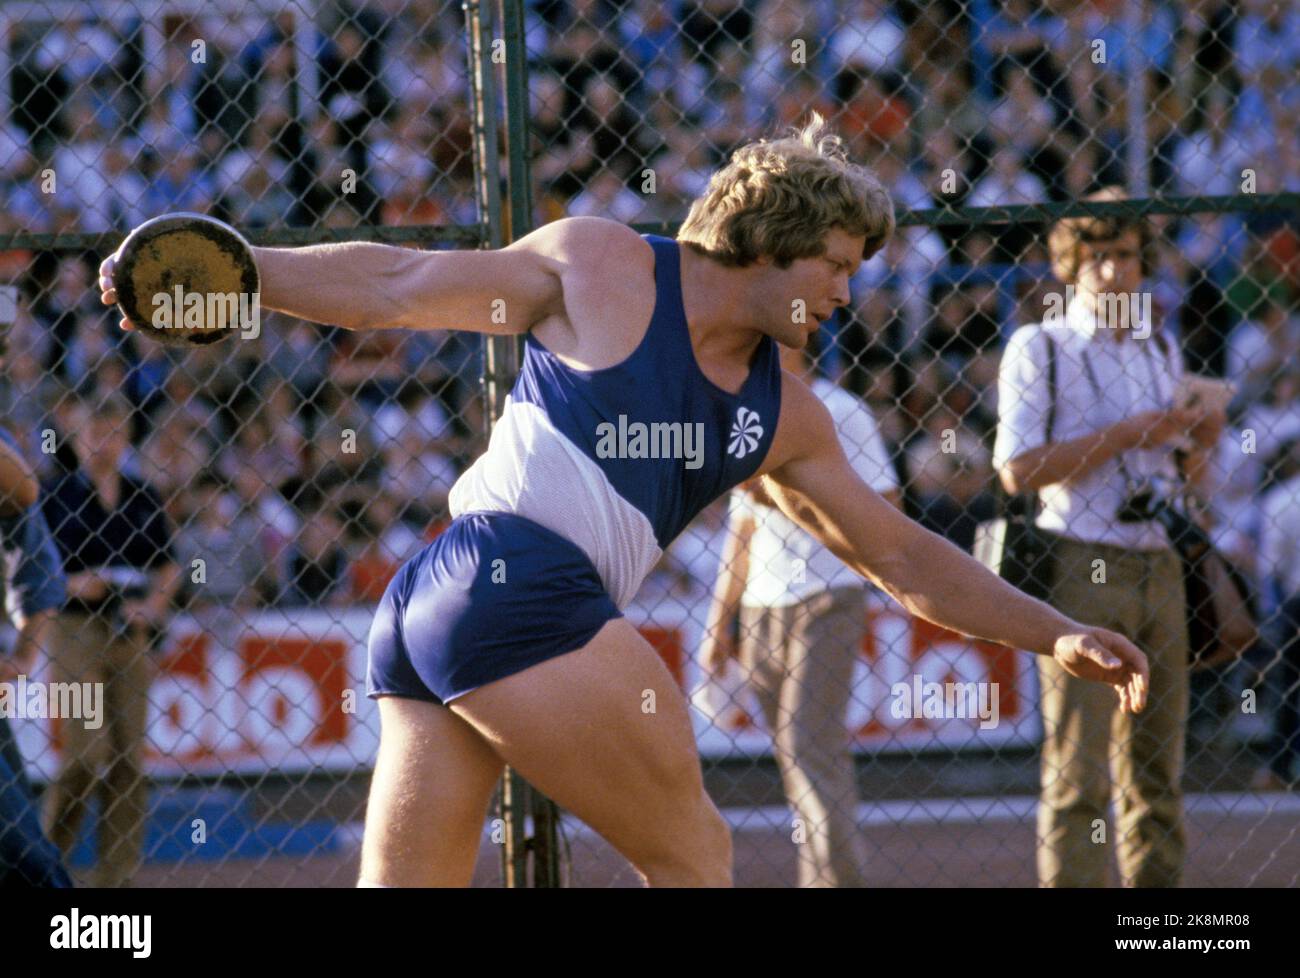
[(187, 278)]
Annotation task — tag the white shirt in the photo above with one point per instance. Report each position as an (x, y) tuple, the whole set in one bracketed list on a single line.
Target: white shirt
[(786, 564), (78, 169), (875, 44), (392, 422), (1252, 348), (1279, 556), (1133, 374), (995, 190), (624, 206), (1200, 167)]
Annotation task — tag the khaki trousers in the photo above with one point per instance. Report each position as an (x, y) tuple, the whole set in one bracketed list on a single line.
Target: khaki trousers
[(106, 762), (799, 661), (1089, 745)]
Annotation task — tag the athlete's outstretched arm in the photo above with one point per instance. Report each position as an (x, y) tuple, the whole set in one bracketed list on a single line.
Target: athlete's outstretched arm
[(365, 285), (813, 483)]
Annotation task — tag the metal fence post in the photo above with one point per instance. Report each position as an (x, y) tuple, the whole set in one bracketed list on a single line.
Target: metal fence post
[(501, 365), (543, 844)]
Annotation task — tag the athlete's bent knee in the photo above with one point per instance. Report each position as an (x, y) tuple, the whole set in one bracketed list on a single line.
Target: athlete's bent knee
[(704, 858)]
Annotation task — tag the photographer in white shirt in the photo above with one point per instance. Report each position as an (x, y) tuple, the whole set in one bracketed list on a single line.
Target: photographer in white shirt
[(1111, 452)]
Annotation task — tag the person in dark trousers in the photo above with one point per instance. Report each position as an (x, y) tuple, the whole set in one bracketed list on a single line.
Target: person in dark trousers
[(115, 542), (1279, 559), (34, 591)]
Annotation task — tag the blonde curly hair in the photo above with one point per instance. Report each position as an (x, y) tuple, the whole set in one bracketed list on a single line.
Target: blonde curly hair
[(780, 197)]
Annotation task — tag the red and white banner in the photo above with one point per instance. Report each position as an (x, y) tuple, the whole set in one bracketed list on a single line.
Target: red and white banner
[(285, 690), (905, 666)]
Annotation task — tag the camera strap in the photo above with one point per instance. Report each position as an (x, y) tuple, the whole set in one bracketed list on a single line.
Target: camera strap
[(1131, 484), (1031, 499)]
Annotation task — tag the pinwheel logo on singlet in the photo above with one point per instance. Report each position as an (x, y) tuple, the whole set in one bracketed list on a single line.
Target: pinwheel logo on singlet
[(745, 433)]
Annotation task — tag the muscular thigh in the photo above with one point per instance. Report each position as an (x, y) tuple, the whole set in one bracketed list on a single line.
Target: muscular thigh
[(606, 733), (433, 779)]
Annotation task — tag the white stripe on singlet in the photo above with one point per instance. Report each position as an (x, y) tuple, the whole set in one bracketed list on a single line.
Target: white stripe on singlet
[(533, 470)]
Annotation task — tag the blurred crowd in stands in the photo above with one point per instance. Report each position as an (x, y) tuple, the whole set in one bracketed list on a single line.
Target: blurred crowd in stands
[(316, 460)]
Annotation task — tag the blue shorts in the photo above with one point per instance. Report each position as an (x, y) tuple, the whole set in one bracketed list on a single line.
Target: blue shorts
[(494, 594)]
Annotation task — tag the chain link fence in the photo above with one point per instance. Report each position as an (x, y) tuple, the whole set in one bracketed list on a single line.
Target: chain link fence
[(269, 489)]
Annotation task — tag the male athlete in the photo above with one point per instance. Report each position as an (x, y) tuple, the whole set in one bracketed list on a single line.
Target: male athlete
[(502, 642)]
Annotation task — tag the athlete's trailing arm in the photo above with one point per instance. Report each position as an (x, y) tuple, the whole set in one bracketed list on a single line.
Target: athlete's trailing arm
[(365, 285), (808, 476)]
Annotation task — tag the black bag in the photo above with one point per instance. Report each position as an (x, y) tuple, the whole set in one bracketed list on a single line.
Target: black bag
[(1012, 545), (1221, 623)]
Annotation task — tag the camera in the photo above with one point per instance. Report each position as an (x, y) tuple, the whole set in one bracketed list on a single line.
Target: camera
[(1146, 503), (1138, 506)]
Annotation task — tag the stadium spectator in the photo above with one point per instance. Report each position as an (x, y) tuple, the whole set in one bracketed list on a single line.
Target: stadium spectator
[(958, 331), (365, 366), (398, 153), (1266, 56), (115, 545), (274, 449), (172, 456), (422, 70), (178, 184), (1237, 479), (678, 177), (170, 119), (650, 37), (125, 187), (707, 25), (1021, 33), (947, 105), (298, 356), (253, 182), (266, 508), (65, 310), (316, 561), (232, 574), (272, 62), (726, 119), (1280, 571), (1210, 158), (28, 391), (35, 589), (329, 155), (780, 24), (417, 466), (1274, 417), (350, 58), (1006, 182), (79, 165), (1162, 122), (873, 377), (1113, 420), (1022, 119), (950, 475), (396, 536), (607, 195), (870, 39), (802, 622), (1153, 46), (1262, 347), (875, 120)]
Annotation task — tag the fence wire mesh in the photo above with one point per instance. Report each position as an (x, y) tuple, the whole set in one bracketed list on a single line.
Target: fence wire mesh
[(226, 518)]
